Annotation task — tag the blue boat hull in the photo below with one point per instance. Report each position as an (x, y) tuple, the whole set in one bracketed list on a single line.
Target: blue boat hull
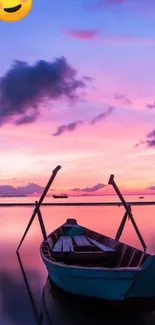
[(109, 284)]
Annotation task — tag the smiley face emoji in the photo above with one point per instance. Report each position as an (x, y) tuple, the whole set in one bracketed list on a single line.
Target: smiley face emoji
[(14, 10)]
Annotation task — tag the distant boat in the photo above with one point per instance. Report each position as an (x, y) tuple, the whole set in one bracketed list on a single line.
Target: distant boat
[(62, 196), (141, 197)]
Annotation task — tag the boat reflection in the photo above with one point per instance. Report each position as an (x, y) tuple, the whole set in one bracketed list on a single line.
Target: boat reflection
[(60, 308), (15, 307), (63, 308)]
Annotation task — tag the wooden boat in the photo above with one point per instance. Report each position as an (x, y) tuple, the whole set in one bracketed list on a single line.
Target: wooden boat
[(95, 265), (86, 263), (62, 196), (60, 307)]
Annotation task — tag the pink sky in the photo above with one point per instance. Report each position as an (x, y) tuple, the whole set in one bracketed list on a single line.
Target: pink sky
[(88, 155), (109, 63)]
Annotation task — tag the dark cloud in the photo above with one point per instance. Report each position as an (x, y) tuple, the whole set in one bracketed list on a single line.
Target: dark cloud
[(139, 143), (149, 141), (82, 34), (21, 190), (24, 87), (86, 78), (67, 128), (103, 115), (90, 189), (73, 125), (27, 119), (123, 98), (151, 106), (151, 134)]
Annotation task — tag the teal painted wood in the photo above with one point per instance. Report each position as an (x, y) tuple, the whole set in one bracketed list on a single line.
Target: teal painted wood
[(92, 282), (117, 284), (144, 282)]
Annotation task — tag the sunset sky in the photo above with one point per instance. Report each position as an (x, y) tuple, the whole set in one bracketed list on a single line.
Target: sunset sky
[(78, 89)]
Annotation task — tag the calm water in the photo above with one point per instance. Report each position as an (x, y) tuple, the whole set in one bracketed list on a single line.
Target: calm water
[(15, 306)]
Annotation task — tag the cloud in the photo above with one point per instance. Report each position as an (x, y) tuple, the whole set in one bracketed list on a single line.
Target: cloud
[(149, 141), (103, 115), (90, 189), (29, 189), (138, 144), (27, 119), (151, 188), (151, 106), (86, 78), (24, 87), (109, 39), (73, 125), (67, 128), (82, 34), (123, 98)]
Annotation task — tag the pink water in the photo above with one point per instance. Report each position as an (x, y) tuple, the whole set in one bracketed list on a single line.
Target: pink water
[(14, 304)]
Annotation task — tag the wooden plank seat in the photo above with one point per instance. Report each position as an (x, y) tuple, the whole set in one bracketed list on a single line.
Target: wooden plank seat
[(67, 244), (58, 245), (63, 244), (81, 240), (65, 251), (102, 247)]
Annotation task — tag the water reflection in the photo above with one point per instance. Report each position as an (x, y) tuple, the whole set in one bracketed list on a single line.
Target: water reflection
[(15, 305), (60, 308), (14, 301), (65, 309)]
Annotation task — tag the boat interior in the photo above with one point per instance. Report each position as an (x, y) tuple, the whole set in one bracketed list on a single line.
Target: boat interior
[(72, 244)]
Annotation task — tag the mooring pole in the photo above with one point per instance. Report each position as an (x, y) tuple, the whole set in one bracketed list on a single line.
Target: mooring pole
[(40, 202), (121, 227), (42, 226), (128, 210)]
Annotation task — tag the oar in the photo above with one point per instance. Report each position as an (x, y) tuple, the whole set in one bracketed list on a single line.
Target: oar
[(127, 208), (36, 209)]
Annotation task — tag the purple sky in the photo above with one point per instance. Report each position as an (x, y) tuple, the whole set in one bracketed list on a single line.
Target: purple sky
[(85, 98)]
